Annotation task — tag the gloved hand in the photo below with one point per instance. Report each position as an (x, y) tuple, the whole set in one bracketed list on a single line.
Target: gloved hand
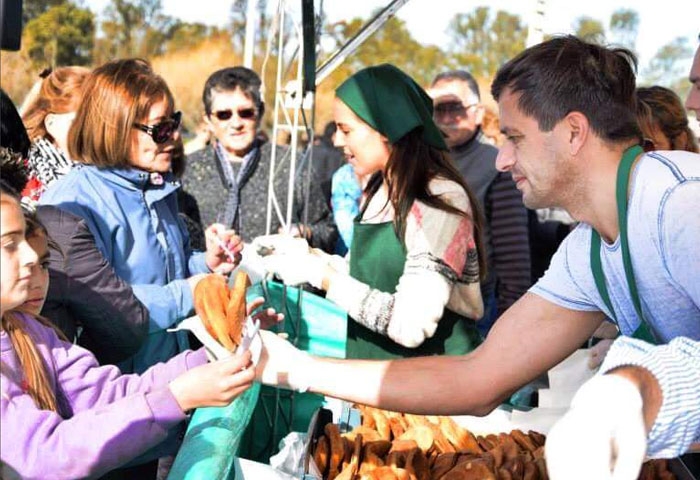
[(602, 436), (283, 365), (279, 244), (296, 269)]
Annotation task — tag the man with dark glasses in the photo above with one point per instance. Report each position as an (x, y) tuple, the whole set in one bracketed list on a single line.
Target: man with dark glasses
[(459, 113), (229, 177)]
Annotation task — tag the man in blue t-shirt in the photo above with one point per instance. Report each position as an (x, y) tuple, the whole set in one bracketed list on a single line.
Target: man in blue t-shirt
[(567, 112)]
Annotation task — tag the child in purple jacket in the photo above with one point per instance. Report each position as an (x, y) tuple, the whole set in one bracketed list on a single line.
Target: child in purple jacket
[(64, 416)]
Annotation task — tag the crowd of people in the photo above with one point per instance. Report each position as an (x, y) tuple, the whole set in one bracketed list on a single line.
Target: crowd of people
[(420, 225)]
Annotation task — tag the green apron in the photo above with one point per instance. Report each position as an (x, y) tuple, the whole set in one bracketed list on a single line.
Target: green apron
[(377, 258), (644, 331)]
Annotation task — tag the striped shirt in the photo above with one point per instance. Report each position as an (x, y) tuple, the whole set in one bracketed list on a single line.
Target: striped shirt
[(676, 367)]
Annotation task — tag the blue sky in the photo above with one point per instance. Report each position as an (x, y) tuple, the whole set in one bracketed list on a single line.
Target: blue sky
[(660, 22)]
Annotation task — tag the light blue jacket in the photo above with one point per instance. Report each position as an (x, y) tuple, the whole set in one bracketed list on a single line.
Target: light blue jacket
[(136, 227)]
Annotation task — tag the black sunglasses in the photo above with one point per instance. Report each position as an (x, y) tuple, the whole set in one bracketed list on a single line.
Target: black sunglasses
[(163, 131), (452, 108), (243, 113)]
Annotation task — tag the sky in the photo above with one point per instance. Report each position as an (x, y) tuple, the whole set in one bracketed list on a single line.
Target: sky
[(427, 20)]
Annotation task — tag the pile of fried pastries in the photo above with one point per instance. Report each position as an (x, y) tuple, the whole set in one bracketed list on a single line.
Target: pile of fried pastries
[(398, 446)]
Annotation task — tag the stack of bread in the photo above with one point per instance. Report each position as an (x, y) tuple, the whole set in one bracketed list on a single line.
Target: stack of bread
[(222, 310), (396, 446)]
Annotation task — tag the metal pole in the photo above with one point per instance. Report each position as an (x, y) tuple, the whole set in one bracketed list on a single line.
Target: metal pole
[(535, 31), (353, 44), (250, 22)]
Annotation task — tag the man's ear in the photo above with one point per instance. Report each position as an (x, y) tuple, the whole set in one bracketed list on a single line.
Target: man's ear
[(578, 129), (480, 112), (207, 121)]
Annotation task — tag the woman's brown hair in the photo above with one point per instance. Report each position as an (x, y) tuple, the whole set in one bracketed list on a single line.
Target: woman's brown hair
[(659, 108), (116, 95), (59, 92), (33, 367), (411, 166)]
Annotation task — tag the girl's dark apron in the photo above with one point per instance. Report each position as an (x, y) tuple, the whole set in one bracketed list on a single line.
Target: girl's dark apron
[(377, 258)]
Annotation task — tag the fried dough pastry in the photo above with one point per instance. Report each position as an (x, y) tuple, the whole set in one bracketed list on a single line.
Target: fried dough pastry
[(336, 449), (211, 297), (462, 439), (236, 307), (322, 454), (222, 311), (423, 435), (416, 465), (473, 470), (368, 434), (443, 463), (523, 440)]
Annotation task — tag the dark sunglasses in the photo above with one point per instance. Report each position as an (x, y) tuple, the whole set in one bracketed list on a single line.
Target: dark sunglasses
[(163, 131), (243, 113), (452, 108)]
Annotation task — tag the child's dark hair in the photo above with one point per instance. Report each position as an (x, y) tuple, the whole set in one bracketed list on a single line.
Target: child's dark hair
[(13, 171)]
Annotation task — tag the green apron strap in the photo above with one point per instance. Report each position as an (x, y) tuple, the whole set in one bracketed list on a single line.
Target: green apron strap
[(643, 332), (598, 275)]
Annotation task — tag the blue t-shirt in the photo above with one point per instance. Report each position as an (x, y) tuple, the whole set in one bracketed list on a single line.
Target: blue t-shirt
[(663, 232), (664, 237)]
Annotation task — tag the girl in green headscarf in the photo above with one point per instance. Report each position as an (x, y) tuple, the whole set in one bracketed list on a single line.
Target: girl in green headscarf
[(416, 259)]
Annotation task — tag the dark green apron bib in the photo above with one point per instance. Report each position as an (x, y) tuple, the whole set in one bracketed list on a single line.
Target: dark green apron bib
[(644, 331), (377, 258)]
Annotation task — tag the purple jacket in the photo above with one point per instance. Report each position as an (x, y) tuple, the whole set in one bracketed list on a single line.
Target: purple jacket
[(106, 418)]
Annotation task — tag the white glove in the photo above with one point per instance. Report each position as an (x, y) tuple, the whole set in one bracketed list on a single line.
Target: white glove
[(602, 436), (296, 269), (280, 244), (283, 365)]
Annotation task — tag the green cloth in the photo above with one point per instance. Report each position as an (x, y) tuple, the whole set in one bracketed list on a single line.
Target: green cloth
[(377, 258), (391, 102)]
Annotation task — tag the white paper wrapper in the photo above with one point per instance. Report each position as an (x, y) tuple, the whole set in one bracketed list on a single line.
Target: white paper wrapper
[(572, 372), (538, 419), (250, 339), (549, 398), (496, 421)]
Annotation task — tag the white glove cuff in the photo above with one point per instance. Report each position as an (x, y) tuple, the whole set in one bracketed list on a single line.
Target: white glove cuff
[(607, 390)]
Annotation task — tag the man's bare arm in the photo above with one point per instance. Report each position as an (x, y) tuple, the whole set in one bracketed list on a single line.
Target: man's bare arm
[(527, 340)]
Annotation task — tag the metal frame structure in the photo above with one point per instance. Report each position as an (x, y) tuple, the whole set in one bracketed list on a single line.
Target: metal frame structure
[(294, 107)]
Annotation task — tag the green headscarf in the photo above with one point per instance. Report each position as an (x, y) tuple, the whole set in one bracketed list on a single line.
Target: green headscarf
[(391, 102)]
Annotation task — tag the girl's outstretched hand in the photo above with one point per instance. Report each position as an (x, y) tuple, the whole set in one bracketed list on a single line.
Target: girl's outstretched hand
[(215, 384)]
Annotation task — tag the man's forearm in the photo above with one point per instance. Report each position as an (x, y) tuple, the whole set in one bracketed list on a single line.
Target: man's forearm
[(426, 385)]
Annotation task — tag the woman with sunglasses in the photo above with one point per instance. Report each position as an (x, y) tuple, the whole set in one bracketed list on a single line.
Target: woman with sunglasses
[(123, 137)]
